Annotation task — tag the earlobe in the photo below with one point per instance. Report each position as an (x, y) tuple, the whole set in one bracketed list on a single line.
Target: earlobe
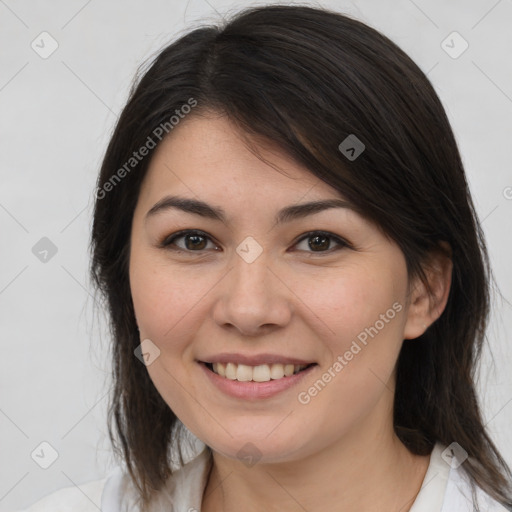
[(428, 303)]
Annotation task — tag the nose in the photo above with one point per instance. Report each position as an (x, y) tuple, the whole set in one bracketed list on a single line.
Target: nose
[(252, 298)]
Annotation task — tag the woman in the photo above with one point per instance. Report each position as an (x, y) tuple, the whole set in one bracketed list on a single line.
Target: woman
[(294, 272)]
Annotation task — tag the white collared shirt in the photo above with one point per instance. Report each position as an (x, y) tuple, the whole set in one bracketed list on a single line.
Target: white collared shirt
[(445, 488)]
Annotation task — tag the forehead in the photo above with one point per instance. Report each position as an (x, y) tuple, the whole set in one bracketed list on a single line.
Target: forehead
[(210, 157)]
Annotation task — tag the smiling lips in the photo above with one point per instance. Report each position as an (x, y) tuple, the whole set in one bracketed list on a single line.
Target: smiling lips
[(255, 368), (259, 373), (254, 377)]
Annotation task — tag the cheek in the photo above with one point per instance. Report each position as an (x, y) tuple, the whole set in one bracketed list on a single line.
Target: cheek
[(353, 302), (161, 295), (365, 315), (164, 303)]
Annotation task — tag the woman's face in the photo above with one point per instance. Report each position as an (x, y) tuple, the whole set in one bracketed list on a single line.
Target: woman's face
[(253, 292)]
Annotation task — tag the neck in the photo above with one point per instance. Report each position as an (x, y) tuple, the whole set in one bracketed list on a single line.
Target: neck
[(367, 469)]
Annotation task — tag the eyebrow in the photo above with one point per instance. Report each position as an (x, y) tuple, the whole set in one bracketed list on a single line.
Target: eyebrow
[(203, 209)]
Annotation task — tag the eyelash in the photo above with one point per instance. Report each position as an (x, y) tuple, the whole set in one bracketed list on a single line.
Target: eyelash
[(167, 241)]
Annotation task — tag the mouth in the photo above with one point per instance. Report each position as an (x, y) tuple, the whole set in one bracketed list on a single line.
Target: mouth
[(257, 373)]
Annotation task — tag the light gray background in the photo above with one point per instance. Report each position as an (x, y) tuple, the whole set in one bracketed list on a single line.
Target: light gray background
[(56, 117)]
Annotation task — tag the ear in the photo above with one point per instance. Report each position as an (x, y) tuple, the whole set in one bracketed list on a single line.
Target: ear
[(424, 307)]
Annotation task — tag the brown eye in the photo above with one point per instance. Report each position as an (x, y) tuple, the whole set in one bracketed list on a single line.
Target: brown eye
[(318, 241), (194, 241)]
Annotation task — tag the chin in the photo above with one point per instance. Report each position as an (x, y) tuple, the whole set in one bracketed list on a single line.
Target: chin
[(259, 448)]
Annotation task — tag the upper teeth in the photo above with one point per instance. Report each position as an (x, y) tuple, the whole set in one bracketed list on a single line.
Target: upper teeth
[(260, 373)]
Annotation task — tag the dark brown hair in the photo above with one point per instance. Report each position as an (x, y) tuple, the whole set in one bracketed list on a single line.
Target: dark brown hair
[(305, 79)]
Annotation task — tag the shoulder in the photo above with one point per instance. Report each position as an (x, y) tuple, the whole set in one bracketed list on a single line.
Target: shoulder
[(448, 488), (83, 498), (183, 490), (459, 495), (116, 492)]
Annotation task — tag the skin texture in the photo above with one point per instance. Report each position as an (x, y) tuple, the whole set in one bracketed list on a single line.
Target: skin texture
[(293, 300)]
